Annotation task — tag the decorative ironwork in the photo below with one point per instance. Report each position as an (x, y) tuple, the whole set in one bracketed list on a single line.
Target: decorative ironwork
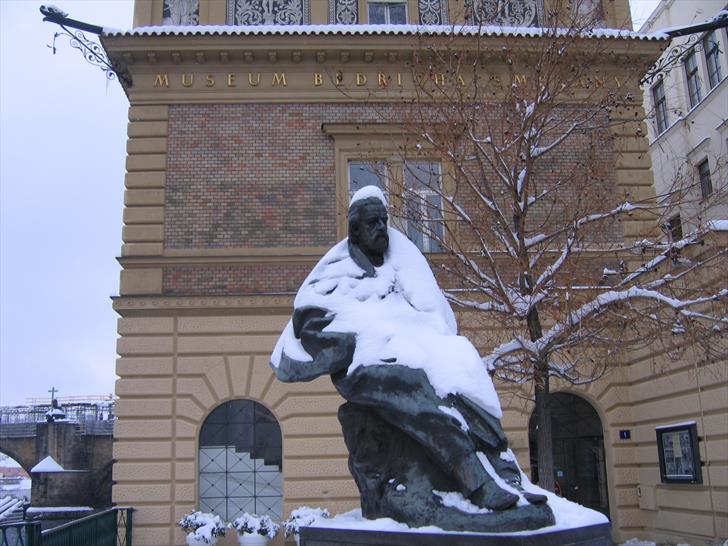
[(268, 12), (433, 12), (181, 12), (344, 12), (91, 51), (511, 13), (241, 461), (671, 58)]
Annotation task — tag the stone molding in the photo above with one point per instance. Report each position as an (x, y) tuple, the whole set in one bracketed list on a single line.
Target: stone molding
[(218, 304)]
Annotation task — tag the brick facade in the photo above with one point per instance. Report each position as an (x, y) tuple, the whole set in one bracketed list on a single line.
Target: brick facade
[(233, 279)]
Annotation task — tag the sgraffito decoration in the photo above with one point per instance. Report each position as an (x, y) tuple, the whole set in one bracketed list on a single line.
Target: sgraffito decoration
[(268, 12), (181, 12), (433, 12), (509, 13), (343, 12)]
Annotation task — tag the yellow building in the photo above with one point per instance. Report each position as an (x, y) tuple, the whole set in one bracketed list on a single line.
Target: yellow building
[(242, 144)]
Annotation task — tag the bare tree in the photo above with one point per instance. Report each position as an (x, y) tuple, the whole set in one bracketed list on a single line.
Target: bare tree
[(528, 215)]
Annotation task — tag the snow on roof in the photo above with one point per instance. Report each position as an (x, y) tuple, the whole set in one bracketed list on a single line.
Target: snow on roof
[(48, 464), (364, 30)]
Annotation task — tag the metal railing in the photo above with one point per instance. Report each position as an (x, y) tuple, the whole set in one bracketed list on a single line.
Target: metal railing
[(74, 412), (20, 534), (110, 527)]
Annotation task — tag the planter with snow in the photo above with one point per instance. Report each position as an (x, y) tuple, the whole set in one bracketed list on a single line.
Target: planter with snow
[(303, 516), (202, 529), (254, 530)]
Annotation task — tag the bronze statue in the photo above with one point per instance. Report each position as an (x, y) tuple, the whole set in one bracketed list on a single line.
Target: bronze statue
[(421, 420)]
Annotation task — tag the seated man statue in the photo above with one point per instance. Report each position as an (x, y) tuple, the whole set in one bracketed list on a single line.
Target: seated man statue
[(421, 419)]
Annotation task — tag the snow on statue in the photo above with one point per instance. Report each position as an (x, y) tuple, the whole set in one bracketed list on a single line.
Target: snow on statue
[(422, 418)]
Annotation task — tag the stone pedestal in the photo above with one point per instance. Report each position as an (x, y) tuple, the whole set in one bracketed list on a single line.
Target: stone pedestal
[(594, 535)]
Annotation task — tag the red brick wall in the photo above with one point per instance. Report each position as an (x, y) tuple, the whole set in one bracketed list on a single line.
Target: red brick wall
[(234, 279), (263, 175), (251, 175)]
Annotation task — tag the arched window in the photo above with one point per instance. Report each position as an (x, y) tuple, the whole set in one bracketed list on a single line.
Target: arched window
[(241, 461)]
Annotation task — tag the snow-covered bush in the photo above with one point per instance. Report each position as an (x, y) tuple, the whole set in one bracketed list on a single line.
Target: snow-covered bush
[(303, 516), (252, 524), (203, 526)]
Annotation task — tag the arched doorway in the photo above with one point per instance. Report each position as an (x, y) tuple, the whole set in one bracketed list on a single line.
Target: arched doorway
[(241, 461), (578, 441)]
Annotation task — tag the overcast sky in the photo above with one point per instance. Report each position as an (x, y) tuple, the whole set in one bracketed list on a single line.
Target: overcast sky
[(62, 151), (62, 148)]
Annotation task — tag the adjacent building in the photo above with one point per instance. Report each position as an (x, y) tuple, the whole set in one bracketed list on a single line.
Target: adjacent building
[(688, 108), (249, 123)]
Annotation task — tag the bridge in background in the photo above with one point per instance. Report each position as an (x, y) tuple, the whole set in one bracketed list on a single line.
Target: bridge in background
[(80, 443)]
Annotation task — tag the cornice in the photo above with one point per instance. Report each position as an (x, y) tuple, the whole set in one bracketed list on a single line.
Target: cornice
[(231, 256), (256, 49), (219, 305)]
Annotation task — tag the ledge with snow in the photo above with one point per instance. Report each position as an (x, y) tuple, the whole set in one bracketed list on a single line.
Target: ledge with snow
[(575, 526)]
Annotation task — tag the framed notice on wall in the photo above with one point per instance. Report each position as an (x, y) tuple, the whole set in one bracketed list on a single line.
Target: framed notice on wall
[(677, 447)]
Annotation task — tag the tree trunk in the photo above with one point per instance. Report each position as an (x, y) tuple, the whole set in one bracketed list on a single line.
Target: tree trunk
[(544, 439)]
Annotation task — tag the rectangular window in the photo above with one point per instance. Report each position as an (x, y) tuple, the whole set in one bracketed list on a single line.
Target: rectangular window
[(660, 104), (387, 13), (706, 185), (710, 47), (423, 204), (674, 228), (691, 72), (417, 211)]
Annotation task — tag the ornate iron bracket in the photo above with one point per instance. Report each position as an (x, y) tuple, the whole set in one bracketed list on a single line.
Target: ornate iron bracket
[(670, 59), (92, 51), (675, 54)]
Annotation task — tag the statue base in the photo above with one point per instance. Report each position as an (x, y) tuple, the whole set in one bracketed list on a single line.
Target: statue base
[(593, 535)]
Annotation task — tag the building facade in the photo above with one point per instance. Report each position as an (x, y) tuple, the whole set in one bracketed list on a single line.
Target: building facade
[(248, 125), (689, 123)]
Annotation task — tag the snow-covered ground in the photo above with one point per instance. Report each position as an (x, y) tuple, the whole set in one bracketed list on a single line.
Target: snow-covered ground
[(638, 542)]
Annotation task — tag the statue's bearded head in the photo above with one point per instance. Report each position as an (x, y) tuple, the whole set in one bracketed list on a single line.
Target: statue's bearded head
[(368, 228)]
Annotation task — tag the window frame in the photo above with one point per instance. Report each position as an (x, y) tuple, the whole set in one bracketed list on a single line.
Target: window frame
[(692, 75), (394, 172), (660, 106), (387, 4), (226, 423), (371, 141), (704, 178), (689, 444), (712, 60), (674, 228)]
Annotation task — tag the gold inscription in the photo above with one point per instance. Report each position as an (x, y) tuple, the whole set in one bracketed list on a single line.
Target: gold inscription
[(187, 80), (279, 79), (161, 80), (210, 80), (382, 79), (252, 82), (231, 80), (318, 79), (361, 79)]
